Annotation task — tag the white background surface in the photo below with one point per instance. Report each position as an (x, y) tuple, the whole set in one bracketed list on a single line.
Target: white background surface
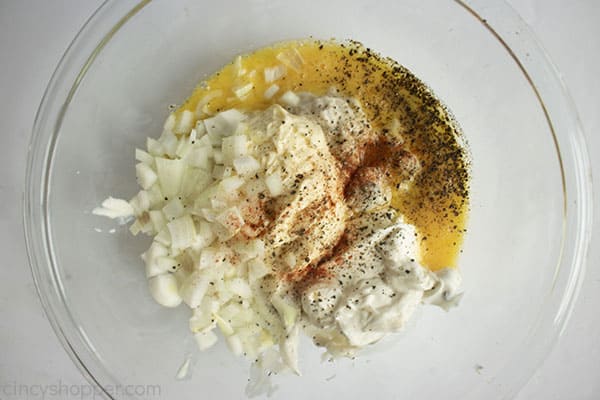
[(33, 36)]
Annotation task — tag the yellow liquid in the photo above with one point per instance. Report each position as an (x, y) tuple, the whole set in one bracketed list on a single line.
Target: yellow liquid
[(437, 202)]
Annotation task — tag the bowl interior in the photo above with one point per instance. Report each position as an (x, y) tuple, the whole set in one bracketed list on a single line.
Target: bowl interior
[(514, 237)]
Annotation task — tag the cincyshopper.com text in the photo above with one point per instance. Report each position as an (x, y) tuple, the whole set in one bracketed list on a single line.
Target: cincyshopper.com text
[(60, 390)]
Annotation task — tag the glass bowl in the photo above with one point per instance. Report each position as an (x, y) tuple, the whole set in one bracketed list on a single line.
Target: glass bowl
[(529, 228)]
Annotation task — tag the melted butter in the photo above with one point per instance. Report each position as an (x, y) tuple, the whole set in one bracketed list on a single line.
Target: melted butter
[(437, 202)]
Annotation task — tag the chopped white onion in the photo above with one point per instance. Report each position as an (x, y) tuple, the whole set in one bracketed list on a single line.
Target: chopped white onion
[(218, 156), (170, 175), (145, 175), (256, 270), (169, 124), (144, 157), (169, 143), (173, 209), (201, 157), (193, 290), (234, 146), (163, 237), (242, 92), (163, 289), (287, 310), (224, 123), (205, 340), (292, 59), (204, 101), (231, 184), (274, 73), (223, 325), (160, 265), (205, 236), (274, 184), (183, 232), (185, 123), (271, 91), (290, 99), (288, 348), (238, 67), (241, 288), (154, 147), (114, 208), (158, 219), (235, 344), (246, 165)]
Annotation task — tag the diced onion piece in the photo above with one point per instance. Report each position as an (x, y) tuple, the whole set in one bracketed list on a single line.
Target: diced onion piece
[(271, 91), (183, 148), (218, 156), (251, 249), (114, 208), (155, 250), (223, 325), (257, 269), (235, 344), (204, 141), (274, 184), (238, 67), (246, 165), (233, 147), (274, 73), (218, 172), (288, 348), (292, 59), (205, 340), (224, 123), (145, 175), (200, 129), (160, 265), (169, 123), (203, 199), (184, 370), (194, 134), (169, 143), (194, 288), (185, 122), (158, 219), (163, 237), (202, 319), (208, 258), (203, 103), (183, 232), (144, 157), (287, 310), (241, 288), (195, 180), (231, 184), (201, 157), (135, 228), (204, 235), (290, 99), (163, 289), (156, 195), (265, 340), (231, 221), (154, 147), (140, 202), (170, 175), (173, 209), (242, 92)]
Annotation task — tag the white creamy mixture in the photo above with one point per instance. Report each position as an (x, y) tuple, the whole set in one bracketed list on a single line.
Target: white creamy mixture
[(266, 224)]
